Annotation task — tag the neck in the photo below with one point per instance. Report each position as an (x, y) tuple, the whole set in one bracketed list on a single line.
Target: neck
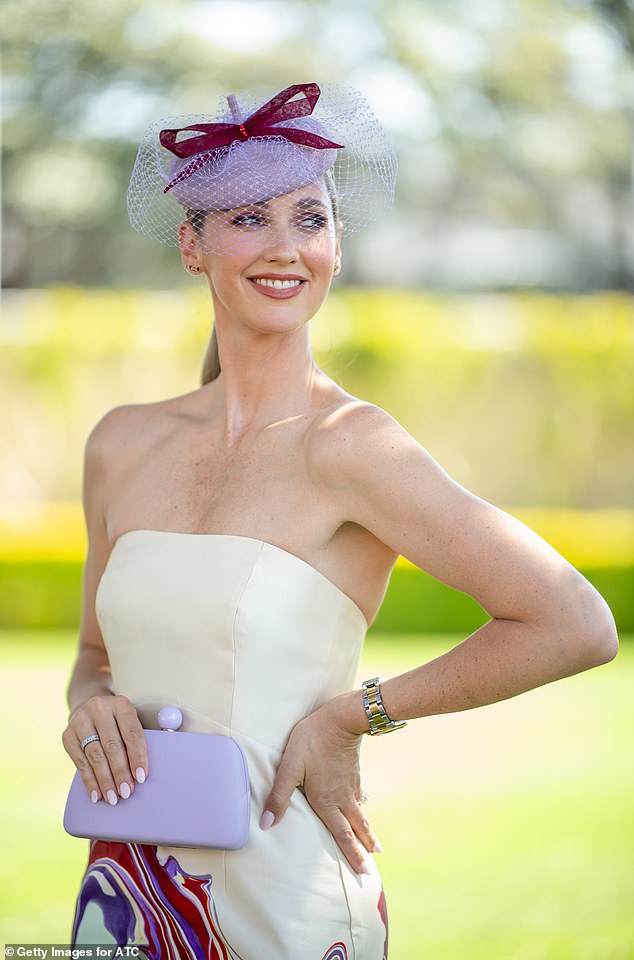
[(265, 378)]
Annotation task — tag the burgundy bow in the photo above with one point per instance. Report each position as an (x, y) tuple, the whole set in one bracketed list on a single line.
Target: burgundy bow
[(263, 123)]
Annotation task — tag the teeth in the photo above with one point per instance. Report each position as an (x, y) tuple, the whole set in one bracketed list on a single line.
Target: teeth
[(278, 284)]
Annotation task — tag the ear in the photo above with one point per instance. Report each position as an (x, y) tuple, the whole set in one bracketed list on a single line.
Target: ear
[(337, 267), (190, 248)]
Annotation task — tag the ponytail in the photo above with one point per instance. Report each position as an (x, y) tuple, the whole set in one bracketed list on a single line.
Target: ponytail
[(211, 362)]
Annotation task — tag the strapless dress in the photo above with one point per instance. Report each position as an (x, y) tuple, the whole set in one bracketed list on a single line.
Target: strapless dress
[(246, 639)]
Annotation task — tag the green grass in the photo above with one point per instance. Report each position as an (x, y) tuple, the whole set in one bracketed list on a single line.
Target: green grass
[(508, 832)]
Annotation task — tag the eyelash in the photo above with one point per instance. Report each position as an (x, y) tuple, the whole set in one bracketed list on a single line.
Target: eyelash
[(312, 223), (242, 219)]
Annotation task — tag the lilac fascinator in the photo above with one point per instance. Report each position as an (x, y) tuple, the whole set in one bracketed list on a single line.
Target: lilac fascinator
[(253, 151)]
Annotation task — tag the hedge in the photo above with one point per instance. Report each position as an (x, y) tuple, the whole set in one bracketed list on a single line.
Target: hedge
[(45, 593), (42, 546)]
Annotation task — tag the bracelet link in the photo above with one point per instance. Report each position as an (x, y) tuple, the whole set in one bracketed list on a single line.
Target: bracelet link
[(375, 711)]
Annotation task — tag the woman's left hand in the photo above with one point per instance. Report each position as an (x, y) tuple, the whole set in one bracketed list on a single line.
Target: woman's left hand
[(322, 759)]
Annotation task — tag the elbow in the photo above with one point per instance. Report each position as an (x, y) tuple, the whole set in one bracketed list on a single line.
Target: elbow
[(594, 635), (602, 642)]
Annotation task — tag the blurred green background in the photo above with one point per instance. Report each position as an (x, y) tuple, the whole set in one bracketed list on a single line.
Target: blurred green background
[(508, 832), (492, 314), (526, 398)]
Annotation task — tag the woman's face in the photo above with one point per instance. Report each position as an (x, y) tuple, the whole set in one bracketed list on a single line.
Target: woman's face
[(279, 260)]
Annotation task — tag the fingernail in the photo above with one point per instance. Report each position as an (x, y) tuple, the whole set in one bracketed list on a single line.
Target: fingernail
[(124, 790), (139, 773), (377, 848), (364, 868), (112, 797), (267, 820), (94, 796)]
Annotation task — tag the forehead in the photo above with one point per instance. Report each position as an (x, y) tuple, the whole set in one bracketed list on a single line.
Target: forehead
[(311, 190), (311, 195)]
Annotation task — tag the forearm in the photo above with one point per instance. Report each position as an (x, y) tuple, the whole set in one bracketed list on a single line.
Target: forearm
[(500, 660), (91, 677)]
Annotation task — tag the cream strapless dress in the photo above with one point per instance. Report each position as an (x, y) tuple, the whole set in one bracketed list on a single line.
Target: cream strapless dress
[(246, 639)]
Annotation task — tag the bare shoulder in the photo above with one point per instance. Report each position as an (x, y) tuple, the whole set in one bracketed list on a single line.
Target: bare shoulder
[(114, 425), (117, 430), (351, 435), (130, 430)]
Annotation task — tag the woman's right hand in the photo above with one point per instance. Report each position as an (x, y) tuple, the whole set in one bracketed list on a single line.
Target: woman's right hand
[(112, 765)]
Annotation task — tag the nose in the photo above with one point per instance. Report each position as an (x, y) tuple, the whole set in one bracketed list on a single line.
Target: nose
[(281, 244)]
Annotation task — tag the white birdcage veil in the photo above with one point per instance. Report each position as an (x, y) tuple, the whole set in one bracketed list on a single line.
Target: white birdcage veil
[(254, 150)]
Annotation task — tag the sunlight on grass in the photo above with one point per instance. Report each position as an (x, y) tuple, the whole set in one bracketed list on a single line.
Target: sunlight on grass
[(508, 831)]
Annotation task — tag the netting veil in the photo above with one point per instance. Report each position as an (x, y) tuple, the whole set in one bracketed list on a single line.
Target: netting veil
[(264, 165)]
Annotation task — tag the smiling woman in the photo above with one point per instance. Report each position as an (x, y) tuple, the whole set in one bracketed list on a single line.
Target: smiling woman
[(246, 187), (241, 538), (288, 249)]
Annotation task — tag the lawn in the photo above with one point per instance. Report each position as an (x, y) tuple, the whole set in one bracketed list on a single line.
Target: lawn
[(508, 832)]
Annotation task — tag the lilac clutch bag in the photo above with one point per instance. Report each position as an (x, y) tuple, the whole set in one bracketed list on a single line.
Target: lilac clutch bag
[(196, 795)]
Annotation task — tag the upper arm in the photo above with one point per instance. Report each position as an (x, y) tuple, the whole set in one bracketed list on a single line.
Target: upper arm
[(97, 457), (387, 482)]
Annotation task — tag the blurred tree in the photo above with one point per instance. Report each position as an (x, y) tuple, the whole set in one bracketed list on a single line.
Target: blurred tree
[(80, 85), (621, 12), (531, 107), (512, 120)]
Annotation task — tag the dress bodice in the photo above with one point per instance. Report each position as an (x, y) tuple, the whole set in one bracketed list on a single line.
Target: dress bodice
[(246, 639), (240, 634)]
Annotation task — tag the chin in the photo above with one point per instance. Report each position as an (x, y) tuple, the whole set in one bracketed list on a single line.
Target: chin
[(278, 321)]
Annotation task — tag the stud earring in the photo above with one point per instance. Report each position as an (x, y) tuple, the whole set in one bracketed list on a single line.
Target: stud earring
[(192, 269)]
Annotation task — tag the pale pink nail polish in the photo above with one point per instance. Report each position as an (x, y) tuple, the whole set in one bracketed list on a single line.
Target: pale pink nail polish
[(267, 820), (139, 773), (112, 797), (377, 847), (94, 796), (364, 868), (124, 790)]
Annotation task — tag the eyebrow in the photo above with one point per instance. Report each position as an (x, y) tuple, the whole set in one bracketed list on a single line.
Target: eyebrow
[(307, 203), (247, 206), (304, 203)]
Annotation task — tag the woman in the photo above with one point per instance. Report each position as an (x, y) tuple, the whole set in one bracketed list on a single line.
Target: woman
[(242, 537)]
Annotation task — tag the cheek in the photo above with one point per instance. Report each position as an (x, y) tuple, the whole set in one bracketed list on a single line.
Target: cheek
[(320, 258), (224, 275)]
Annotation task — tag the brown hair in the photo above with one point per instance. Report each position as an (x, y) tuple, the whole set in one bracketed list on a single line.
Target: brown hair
[(211, 360)]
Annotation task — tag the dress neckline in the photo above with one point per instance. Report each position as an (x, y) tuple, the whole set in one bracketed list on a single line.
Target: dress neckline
[(236, 536)]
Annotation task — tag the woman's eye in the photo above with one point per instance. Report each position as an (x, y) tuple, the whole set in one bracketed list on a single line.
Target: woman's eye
[(246, 220), (314, 222)]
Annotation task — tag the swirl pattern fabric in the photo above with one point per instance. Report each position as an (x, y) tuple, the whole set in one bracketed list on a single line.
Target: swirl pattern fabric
[(130, 896)]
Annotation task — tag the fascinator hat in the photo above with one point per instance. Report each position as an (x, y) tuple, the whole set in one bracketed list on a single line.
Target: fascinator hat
[(225, 169)]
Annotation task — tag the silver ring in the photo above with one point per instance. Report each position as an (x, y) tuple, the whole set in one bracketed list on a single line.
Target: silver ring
[(87, 740), (363, 798)]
